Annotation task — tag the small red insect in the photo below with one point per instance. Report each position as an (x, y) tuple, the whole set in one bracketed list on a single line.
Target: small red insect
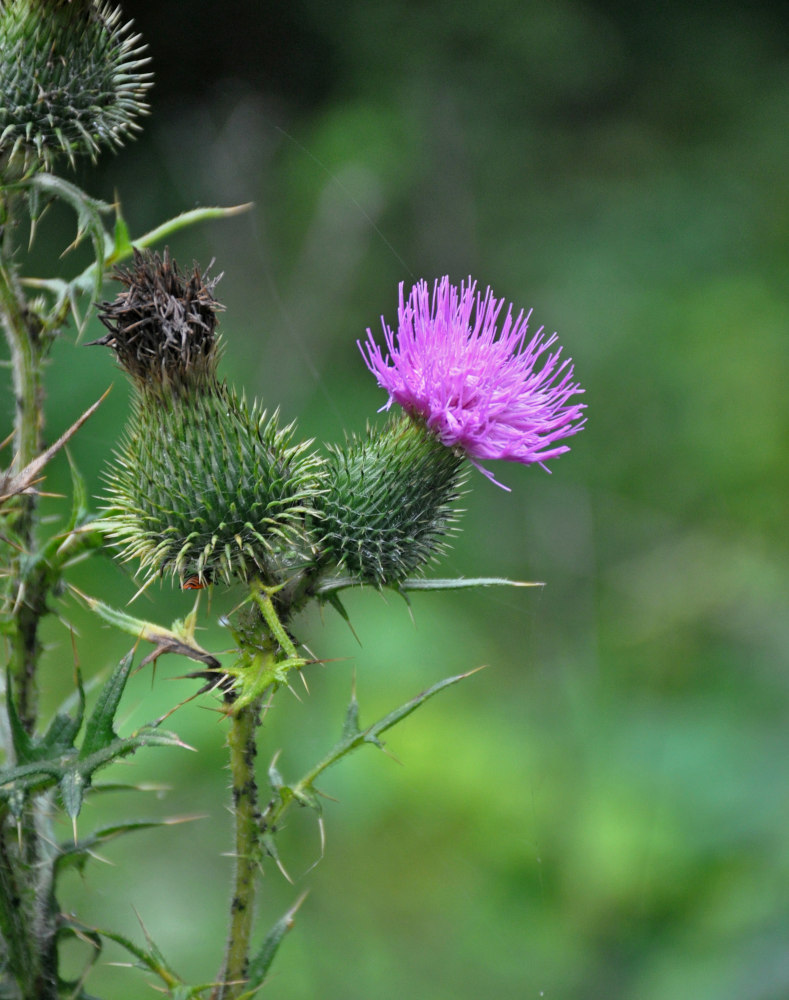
[(193, 583)]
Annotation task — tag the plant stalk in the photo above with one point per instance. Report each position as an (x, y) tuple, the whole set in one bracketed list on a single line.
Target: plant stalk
[(25, 346), (243, 750)]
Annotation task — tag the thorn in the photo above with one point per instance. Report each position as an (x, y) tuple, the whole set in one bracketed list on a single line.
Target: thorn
[(175, 708), (98, 857), (74, 828), (19, 598), (283, 870), (148, 937), (290, 688), (304, 681), (388, 753), (142, 590), (312, 657)]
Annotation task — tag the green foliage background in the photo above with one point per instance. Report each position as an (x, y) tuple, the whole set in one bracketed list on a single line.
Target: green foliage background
[(603, 812)]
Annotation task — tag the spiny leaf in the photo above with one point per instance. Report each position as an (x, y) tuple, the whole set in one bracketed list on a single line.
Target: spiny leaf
[(151, 959), (261, 961), (99, 731), (76, 854), (77, 772), (63, 729), (178, 639), (123, 246), (330, 586), (462, 583), (89, 211), (24, 748), (372, 734), (304, 790), (58, 739), (24, 481), (189, 218), (67, 927), (79, 492), (72, 790), (350, 726)]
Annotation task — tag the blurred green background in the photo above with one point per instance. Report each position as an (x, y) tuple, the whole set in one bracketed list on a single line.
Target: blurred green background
[(604, 811)]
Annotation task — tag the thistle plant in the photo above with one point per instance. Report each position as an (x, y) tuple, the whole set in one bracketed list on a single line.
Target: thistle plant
[(208, 491)]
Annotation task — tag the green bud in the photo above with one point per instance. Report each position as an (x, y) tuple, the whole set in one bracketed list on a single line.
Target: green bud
[(388, 505), (70, 79)]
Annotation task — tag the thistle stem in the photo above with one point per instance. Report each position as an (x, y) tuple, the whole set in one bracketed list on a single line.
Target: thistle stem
[(26, 356), (241, 743)]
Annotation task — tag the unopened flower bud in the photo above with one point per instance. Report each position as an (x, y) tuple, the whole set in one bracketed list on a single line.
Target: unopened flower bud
[(388, 504), (71, 79)]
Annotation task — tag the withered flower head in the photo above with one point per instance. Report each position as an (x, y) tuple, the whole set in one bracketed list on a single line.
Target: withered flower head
[(204, 486), (162, 327)]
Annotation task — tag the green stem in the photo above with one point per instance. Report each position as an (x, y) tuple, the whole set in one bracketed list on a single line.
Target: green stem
[(26, 358), (241, 743), (276, 629), (20, 946)]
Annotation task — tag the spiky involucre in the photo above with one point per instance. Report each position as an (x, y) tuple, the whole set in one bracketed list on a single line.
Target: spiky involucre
[(206, 485), (71, 79), (387, 508)]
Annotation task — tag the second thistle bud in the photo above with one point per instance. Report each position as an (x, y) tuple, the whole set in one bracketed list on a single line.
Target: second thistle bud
[(205, 486), (388, 504)]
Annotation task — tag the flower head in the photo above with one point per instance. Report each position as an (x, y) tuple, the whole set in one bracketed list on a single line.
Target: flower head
[(204, 486), (486, 391), (72, 80)]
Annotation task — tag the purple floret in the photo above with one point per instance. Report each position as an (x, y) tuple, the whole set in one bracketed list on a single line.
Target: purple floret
[(486, 391)]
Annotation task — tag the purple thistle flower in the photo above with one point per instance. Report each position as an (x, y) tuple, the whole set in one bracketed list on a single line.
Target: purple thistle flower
[(490, 393)]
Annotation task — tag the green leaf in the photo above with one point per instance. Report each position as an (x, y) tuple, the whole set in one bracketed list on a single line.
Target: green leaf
[(185, 219), (68, 928), (350, 726), (178, 639), (371, 735), (77, 773), (63, 729), (76, 854), (55, 761), (261, 961), (151, 959), (122, 245), (72, 790), (329, 587), (353, 737), (58, 739), (79, 492), (89, 211), (99, 731), (24, 749), (461, 583)]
